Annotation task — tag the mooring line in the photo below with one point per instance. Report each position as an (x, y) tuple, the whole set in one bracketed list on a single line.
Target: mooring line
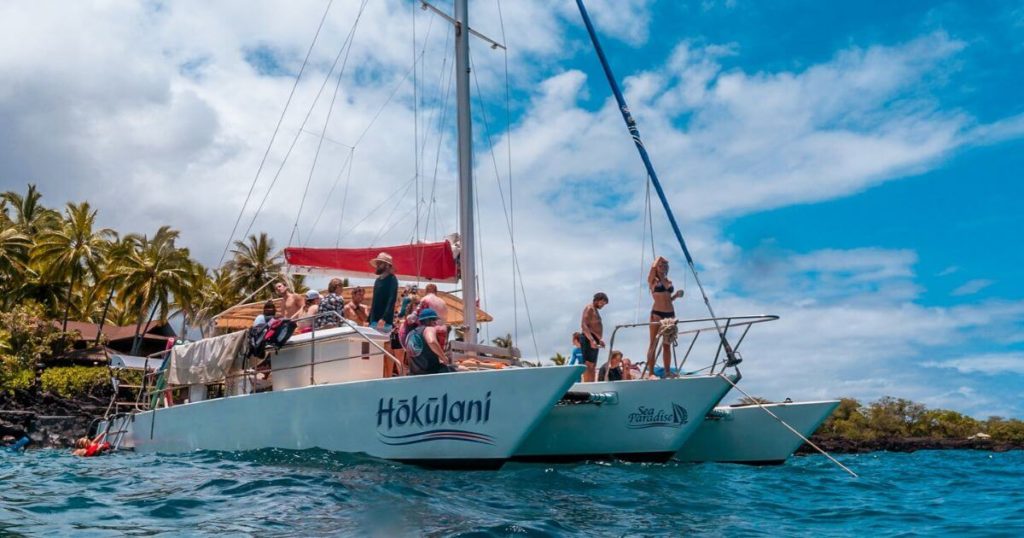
[(783, 422)]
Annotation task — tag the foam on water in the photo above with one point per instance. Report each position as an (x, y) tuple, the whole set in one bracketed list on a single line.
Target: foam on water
[(311, 493)]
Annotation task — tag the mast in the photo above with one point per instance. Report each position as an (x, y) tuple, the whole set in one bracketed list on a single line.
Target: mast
[(465, 129)]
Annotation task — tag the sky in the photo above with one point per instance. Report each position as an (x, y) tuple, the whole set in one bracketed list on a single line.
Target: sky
[(854, 168)]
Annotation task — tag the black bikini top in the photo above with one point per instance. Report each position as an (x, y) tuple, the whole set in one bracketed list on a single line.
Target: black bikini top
[(660, 288)]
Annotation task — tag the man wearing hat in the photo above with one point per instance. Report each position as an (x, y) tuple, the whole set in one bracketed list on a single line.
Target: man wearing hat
[(385, 293), (426, 353)]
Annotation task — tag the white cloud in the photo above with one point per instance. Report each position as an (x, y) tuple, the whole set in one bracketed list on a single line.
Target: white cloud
[(990, 364), (971, 287)]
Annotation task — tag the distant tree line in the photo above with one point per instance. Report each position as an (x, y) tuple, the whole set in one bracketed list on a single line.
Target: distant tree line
[(891, 417), (60, 265)]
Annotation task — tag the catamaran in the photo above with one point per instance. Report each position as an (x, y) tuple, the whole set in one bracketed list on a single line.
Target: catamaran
[(328, 388)]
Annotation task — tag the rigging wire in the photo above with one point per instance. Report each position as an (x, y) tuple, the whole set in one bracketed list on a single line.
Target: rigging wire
[(483, 275), (344, 201), (511, 198), (504, 207), (416, 131), (327, 199), (385, 228), (277, 128), (362, 135), (295, 139), (432, 208), (327, 121), (370, 213), (643, 249)]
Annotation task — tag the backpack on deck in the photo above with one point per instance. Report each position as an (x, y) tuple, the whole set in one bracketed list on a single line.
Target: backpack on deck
[(274, 333)]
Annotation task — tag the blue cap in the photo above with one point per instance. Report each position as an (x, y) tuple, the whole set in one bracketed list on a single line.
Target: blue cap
[(427, 314)]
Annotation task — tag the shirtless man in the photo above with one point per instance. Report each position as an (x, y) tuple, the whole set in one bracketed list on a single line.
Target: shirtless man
[(293, 302), (308, 312), (355, 310), (593, 330), (435, 303)]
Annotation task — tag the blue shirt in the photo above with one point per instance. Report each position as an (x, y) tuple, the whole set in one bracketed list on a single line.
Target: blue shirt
[(576, 357)]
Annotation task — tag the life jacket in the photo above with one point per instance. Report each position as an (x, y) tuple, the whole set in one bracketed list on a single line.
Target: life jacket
[(95, 448)]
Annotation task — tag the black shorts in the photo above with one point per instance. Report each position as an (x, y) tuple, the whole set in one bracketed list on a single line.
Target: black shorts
[(589, 353)]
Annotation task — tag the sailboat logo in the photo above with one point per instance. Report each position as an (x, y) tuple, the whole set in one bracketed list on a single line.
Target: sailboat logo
[(649, 417)]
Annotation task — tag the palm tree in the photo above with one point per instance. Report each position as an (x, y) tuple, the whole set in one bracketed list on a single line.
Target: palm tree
[(191, 301), (503, 341), (110, 279), (558, 359), (14, 247), (30, 216), (255, 262), (220, 292), (72, 250), (298, 283), (152, 276)]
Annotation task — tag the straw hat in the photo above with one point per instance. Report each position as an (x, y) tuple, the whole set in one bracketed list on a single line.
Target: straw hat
[(383, 257)]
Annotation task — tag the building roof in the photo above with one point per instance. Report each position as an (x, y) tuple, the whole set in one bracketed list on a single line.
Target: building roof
[(88, 331)]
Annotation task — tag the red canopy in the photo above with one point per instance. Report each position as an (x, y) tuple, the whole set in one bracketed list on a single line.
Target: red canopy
[(423, 261)]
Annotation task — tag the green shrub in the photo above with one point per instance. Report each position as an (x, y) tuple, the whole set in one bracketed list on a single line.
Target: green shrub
[(28, 338), (1000, 429), (75, 381), (13, 375)]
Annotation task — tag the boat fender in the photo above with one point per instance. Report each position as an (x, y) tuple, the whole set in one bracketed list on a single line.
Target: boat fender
[(595, 398)]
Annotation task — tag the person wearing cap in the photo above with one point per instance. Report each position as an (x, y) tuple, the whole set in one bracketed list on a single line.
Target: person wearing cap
[(307, 314), (592, 331), (423, 345), (385, 293)]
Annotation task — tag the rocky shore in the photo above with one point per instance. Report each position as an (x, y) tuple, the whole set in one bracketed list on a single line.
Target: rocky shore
[(834, 445), (47, 419)]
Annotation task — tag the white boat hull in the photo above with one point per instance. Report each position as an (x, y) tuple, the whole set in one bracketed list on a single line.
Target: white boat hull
[(466, 419), (646, 420), (749, 435)]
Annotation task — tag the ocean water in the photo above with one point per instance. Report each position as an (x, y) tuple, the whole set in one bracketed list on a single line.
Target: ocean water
[(314, 493)]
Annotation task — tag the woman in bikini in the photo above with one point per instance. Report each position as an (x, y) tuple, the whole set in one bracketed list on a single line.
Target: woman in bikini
[(663, 293)]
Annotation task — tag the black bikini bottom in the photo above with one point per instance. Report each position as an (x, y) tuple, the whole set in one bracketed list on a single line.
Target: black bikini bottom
[(663, 315)]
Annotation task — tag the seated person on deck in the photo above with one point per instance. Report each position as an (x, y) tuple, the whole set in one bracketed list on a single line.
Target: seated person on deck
[(355, 310), (269, 313), (426, 354), (308, 311), (292, 301), (613, 370)]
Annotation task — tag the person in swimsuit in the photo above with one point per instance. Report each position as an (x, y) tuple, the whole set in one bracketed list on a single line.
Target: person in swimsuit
[(87, 448), (663, 293), (592, 331)]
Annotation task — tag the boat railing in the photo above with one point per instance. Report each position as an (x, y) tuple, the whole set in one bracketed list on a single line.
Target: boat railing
[(252, 373), (339, 319), (719, 326)]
